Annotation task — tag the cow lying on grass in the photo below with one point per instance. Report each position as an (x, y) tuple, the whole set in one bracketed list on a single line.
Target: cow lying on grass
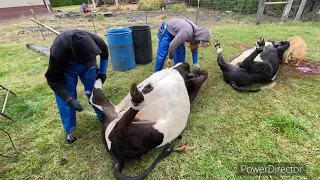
[(260, 63), (152, 115)]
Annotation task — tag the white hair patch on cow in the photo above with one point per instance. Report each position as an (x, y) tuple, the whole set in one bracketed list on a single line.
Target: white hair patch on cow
[(97, 85), (137, 107), (108, 131), (219, 50)]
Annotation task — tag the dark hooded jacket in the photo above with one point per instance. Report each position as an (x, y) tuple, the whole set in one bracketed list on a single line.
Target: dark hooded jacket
[(183, 31), (72, 46)]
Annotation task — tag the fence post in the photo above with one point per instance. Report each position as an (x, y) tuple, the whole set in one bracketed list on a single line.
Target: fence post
[(286, 10), (261, 6), (315, 9), (301, 8), (197, 13)]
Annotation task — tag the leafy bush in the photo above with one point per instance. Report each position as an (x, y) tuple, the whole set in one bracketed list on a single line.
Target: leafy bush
[(242, 6), (78, 2), (147, 5), (178, 7), (99, 17), (58, 3)]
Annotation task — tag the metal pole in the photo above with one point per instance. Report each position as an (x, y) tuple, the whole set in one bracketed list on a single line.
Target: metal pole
[(5, 102), (146, 19), (38, 24), (197, 13), (93, 22), (49, 28)]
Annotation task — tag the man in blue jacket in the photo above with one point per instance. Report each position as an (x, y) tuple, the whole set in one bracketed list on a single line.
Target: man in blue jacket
[(172, 36), (72, 55)]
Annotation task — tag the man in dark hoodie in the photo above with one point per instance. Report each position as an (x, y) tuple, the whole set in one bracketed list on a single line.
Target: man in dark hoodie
[(172, 36), (72, 55)]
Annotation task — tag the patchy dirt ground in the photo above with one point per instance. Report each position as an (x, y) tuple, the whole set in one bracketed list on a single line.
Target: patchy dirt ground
[(124, 17), (306, 68)]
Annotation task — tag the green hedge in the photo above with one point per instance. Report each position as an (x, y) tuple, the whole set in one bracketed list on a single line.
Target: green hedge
[(78, 2), (241, 6), (58, 3), (250, 6)]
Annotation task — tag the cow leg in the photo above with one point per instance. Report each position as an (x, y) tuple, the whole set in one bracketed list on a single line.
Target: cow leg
[(282, 49), (137, 103), (249, 61), (221, 62), (193, 85)]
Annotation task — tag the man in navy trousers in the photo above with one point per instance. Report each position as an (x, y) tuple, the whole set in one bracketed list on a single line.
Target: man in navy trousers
[(72, 55)]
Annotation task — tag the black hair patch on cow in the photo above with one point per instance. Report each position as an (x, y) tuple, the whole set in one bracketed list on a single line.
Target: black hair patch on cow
[(148, 88)]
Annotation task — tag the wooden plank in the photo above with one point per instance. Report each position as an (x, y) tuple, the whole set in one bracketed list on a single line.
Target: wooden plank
[(49, 28), (301, 8), (282, 2), (261, 6), (286, 10), (39, 49)]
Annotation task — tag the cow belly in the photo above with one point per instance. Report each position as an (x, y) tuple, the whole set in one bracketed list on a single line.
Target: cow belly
[(167, 105), (172, 95), (246, 53), (243, 56)]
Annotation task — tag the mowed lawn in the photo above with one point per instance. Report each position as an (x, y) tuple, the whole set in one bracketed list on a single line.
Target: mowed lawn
[(226, 127)]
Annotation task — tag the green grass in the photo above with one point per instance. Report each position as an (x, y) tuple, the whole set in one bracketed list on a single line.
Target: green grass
[(227, 127)]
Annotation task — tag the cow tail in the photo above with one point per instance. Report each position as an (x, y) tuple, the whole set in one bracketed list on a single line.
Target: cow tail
[(118, 166), (234, 86)]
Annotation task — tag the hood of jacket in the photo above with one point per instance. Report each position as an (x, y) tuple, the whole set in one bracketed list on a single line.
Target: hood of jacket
[(202, 34)]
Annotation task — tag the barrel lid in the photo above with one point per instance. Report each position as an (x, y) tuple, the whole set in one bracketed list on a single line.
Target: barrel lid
[(119, 31), (139, 28)]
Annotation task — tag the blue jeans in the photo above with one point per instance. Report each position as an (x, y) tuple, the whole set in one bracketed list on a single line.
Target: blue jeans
[(164, 41), (88, 77)]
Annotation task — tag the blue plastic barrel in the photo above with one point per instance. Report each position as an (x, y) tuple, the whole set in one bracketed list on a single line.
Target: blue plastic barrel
[(121, 49)]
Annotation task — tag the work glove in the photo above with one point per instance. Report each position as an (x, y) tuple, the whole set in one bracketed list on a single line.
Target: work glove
[(169, 62), (196, 66), (74, 104), (103, 77)]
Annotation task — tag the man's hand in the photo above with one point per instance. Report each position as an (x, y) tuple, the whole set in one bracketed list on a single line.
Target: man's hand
[(103, 77), (196, 66), (74, 104), (169, 62)]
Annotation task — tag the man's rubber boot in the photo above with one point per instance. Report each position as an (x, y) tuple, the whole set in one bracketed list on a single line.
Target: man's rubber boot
[(70, 138)]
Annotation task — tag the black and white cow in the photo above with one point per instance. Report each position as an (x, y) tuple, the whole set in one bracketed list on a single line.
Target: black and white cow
[(153, 114), (258, 64)]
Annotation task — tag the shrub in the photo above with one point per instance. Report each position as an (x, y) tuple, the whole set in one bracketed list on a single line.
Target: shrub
[(78, 2), (178, 7), (99, 17), (147, 5), (58, 3)]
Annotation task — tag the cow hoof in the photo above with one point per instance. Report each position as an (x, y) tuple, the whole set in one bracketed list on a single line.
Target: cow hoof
[(260, 43), (217, 44), (136, 95)]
